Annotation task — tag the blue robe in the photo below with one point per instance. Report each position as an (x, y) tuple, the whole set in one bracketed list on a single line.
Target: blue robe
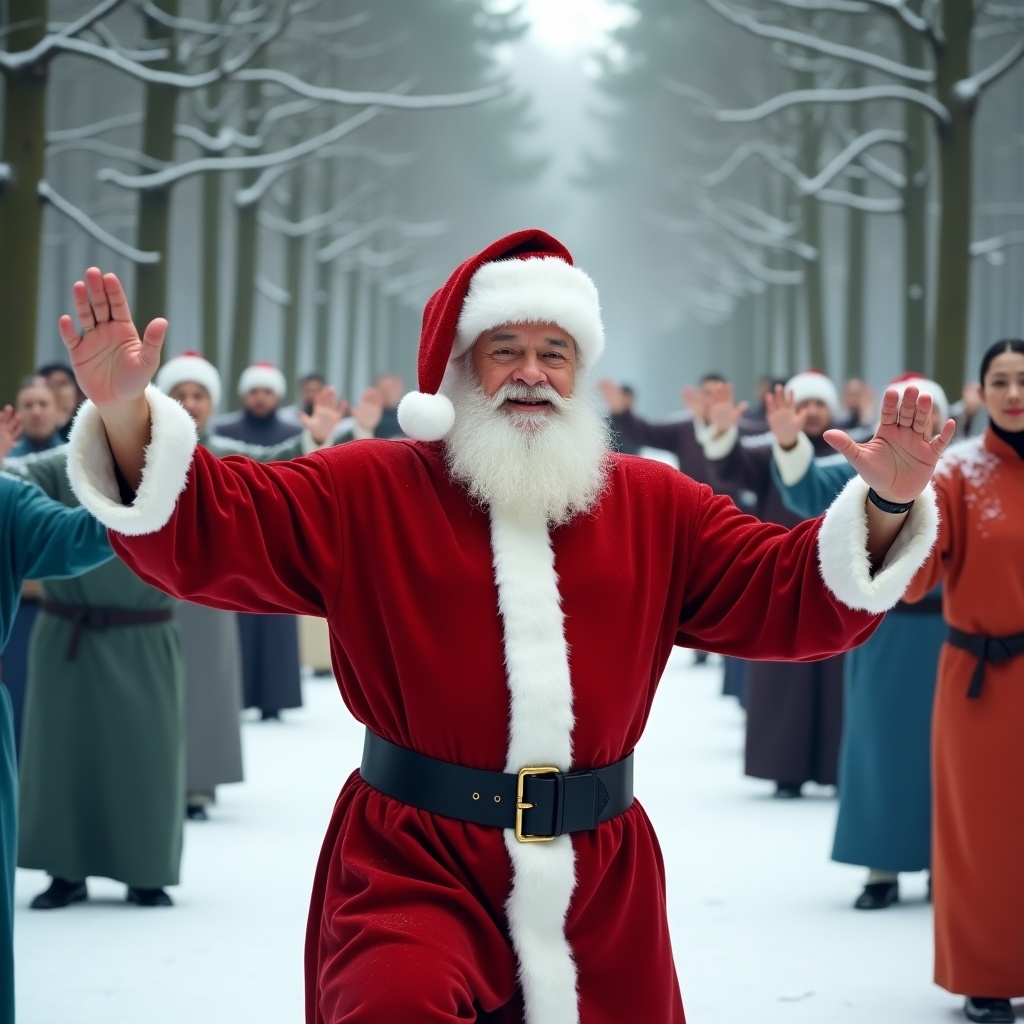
[(39, 539), (884, 819)]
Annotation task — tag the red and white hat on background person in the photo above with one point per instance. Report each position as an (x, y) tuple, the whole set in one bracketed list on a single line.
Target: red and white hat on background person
[(525, 277), (814, 384), (262, 375), (190, 368), (925, 386)]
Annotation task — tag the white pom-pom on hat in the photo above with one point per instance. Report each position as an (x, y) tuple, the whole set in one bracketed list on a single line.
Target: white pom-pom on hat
[(426, 417)]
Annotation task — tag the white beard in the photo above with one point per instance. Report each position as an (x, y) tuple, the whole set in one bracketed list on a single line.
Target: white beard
[(525, 464)]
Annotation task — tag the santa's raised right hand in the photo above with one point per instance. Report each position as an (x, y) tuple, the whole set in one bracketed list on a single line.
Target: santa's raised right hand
[(112, 363)]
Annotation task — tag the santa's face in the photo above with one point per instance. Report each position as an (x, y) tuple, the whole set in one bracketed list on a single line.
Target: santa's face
[(526, 360)]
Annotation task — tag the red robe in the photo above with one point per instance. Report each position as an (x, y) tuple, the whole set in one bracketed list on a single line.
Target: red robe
[(419, 917)]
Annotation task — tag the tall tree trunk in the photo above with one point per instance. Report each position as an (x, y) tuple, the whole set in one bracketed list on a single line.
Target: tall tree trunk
[(211, 213), (791, 322), (853, 362), (952, 293), (246, 259), (294, 249), (21, 209), (917, 354), (154, 229), (353, 287), (814, 284)]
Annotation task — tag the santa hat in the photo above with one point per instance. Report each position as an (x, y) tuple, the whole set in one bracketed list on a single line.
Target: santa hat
[(926, 387), (262, 375), (814, 384), (525, 277), (190, 367)]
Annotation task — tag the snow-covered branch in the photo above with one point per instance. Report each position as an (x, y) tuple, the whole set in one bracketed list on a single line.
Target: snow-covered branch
[(107, 149), (316, 223), (352, 239), (58, 202), (383, 99), (756, 236), (278, 295), (842, 160), (240, 163), (988, 246), (148, 56), (53, 40), (799, 97), (745, 257), (967, 90), (866, 204), (96, 128), (224, 140), (818, 45)]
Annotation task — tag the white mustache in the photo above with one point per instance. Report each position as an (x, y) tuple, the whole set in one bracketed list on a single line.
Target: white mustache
[(526, 393)]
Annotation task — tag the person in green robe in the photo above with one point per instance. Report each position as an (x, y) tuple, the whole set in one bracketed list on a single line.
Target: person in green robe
[(38, 538)]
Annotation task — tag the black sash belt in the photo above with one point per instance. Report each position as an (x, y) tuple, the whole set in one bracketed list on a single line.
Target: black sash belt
[(539, 802), (926, 606), (87, 617), (992, 649)]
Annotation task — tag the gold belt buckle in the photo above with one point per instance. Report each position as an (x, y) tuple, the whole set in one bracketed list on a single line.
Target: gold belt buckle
[(521, 804)]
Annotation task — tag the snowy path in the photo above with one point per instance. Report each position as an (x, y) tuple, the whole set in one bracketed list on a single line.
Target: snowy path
[(762, 926)]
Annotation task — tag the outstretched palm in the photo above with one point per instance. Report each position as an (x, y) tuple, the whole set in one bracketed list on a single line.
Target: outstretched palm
[(899, 460), (112, 363)]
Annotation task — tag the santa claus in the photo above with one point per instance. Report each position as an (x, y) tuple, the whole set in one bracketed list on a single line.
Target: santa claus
[(503, 594)]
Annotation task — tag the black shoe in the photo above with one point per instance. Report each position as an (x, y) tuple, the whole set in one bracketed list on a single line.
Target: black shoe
[(700, 657), (788, 790), (196, 813), (989, 1011), (149, 897), (878, 896), (270, 716), (61, 893)]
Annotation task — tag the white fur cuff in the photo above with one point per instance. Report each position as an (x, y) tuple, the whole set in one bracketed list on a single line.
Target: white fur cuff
[(843, 557), (718, 447), (794, 462), (164, 474)]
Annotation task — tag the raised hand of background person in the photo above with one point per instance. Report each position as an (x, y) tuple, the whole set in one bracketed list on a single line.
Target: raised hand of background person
[(696, 401), (112, 363), (614, 397), (899, 460), (10, 429), (867, 405), (328, 412), (783, 419), (723, 412), (370, 409)]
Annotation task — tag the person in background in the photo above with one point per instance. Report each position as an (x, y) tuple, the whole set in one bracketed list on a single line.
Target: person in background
[(977, 753), (69, 396), (309, 387), (794, 711), (39, 415), (856, 405), (261, 388), (210, 636), (620, 443), (40, 538), (885, 785), (391, 388)]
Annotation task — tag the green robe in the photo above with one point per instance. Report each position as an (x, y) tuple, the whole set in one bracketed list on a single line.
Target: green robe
[(103, 759)]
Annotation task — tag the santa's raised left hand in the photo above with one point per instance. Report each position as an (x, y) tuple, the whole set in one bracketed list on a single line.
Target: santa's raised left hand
[(899, 460)]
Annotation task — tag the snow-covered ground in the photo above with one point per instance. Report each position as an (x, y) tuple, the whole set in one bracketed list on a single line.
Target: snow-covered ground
[(761, 918)]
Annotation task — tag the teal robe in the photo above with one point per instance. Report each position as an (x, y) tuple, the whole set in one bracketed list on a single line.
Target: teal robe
[(38, 538), (884, 819)]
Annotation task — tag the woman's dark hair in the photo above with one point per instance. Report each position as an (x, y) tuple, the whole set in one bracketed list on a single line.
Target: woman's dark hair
[(1006, 345)]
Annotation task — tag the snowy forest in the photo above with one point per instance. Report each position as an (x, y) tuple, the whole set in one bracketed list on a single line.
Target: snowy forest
[(756, 187)]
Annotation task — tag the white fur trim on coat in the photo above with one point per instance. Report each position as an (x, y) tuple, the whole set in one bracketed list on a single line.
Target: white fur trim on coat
[(534, 290), (164, 474), (540, 733), (718, 447), (843, 557), (793, 463)]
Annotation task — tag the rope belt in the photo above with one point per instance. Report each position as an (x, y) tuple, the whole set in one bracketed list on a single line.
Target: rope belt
[(539, 803), (926, 606), (85, 617), (987, 649)]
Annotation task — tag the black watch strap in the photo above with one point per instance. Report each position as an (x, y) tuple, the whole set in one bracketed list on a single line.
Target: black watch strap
[(888, 506)]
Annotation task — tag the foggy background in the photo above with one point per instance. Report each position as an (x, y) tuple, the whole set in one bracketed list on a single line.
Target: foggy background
[(810, 236)]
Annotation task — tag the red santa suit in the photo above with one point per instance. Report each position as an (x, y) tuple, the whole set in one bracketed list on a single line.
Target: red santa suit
[(493, 642)]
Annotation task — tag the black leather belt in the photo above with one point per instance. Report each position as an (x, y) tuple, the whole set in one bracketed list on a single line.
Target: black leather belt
[(926, 606), (538, 803), (986, 649)]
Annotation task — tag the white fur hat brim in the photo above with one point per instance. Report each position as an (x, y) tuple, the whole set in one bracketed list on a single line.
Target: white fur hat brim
[(269, 377), (927, 387), (539, 289), (189, 370), (809, 385)]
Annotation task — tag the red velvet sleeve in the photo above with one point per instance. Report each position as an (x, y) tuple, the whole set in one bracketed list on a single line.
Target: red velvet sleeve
[(247, 536), (754, 590)]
